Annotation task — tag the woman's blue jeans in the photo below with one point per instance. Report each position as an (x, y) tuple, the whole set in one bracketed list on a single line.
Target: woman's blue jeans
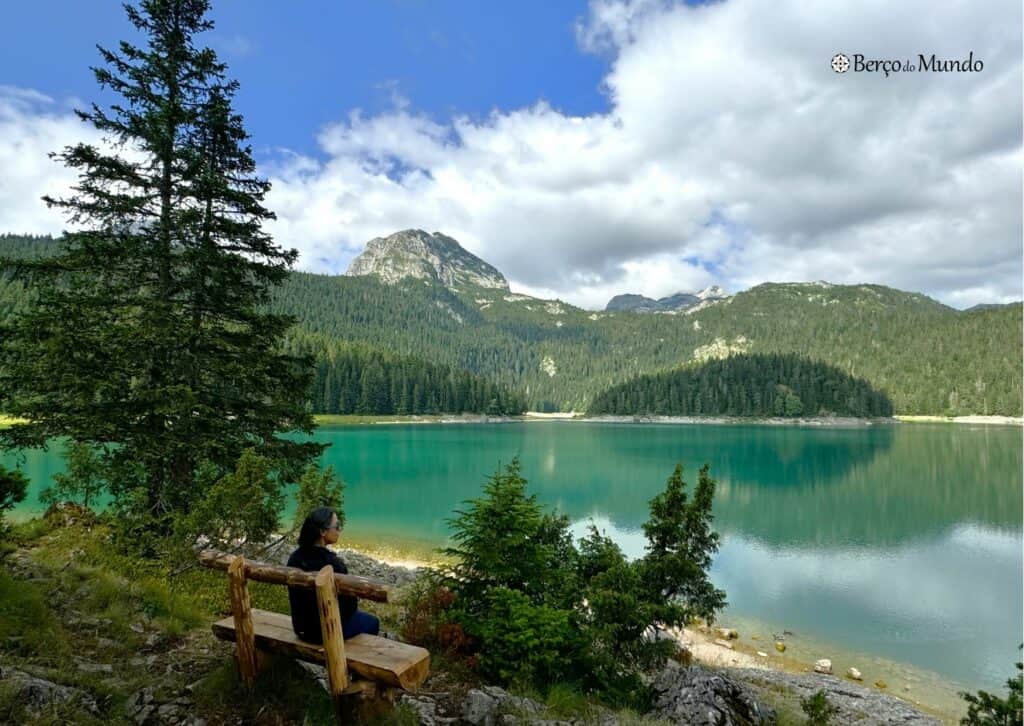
[(359, 623)]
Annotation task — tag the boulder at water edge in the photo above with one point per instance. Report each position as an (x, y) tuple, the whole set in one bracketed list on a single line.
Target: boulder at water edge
[(705, 698)]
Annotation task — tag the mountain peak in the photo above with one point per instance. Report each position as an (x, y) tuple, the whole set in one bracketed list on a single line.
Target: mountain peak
[(711, 292), (424, 256), (679, 302)]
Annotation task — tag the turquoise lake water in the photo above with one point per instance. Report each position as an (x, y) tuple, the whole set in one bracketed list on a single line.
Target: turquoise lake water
[(896, 543)]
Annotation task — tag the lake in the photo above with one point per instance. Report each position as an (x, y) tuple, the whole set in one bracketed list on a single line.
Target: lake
[(895, 548)]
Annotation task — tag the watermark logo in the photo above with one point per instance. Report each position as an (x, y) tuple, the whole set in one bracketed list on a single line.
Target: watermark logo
[(841, 63)]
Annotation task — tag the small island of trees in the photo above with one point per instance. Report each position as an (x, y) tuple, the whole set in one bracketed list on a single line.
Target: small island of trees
[(746, 385)]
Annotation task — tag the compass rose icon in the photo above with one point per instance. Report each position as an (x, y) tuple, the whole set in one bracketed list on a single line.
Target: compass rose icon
[(840, 63)]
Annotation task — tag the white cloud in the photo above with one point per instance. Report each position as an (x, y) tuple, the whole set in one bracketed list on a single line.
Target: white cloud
[(31, 126), (730, 153)]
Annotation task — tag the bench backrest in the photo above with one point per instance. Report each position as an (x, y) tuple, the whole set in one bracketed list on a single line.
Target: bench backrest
[(294, 577)]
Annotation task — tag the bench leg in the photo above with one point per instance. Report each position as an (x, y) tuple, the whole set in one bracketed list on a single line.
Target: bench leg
[(333, 640), (245, 633)]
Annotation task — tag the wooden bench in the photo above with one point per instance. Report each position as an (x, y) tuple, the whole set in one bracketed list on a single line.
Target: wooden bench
[(372, 661)]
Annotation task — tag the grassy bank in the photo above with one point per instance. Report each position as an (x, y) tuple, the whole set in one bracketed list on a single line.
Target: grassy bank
[(75, 612)]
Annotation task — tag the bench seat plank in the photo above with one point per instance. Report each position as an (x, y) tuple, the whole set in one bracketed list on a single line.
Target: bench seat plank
[(371, 657)]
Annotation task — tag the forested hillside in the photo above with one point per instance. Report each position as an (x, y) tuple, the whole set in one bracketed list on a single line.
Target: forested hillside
[(926, 357), (352, 378), (349, 378), (746, 385)]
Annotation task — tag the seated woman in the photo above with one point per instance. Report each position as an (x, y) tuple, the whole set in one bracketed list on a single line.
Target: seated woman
[(320, 529)]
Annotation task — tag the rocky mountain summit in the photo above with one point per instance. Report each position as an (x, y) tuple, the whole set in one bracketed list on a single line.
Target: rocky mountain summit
[(420, 255), (679, 302)]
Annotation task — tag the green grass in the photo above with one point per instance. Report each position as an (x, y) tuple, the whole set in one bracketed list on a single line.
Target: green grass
[(28, 628), (87, 601), (13, 711), (283, 693), (565, 703)]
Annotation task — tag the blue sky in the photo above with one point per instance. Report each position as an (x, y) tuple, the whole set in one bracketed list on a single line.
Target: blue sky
[(305, 63), (588, 148)]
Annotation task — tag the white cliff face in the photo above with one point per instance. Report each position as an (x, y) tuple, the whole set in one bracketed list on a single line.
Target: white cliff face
[(420, 255), (710, 293), (721, 348)]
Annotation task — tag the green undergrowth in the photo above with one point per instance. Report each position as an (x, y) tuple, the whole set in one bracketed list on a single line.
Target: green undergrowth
[(76, 611), (283, 689)]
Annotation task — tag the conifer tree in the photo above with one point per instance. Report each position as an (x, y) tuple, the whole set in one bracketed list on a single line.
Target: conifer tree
[(150, 340)]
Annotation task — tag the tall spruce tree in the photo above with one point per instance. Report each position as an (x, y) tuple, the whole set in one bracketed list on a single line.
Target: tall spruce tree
[(150, 339)]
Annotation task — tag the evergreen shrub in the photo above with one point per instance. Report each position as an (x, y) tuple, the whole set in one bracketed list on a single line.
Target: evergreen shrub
[(533, 608)]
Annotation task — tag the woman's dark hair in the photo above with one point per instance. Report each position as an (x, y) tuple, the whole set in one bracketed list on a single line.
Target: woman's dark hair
[(317, 520)]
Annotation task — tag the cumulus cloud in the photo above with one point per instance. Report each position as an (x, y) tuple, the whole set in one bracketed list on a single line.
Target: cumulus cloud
[(730, 153), (31, 126)]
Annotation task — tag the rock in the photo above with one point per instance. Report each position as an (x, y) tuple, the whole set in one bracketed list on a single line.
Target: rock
[(39, 693), (780, 646), (67, 514), (358, 564), (762, 654), (683, 655), (854, 674), (138, 700), (697, 696), (419, 255), (318, 672), (479, 708), (424, 708), (728, 633), (167, 711), (137, 628), (857, 704), (881, 684), (724, 643), (823, 665), (485, 706), (90, 667)]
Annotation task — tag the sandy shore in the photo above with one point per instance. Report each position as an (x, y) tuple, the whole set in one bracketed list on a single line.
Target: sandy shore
[(833, 421), (986, 420)]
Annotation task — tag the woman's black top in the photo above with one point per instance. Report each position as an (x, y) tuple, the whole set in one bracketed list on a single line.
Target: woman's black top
[(305, 612)]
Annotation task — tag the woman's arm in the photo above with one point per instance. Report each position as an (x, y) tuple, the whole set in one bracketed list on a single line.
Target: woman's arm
[(348, 604)]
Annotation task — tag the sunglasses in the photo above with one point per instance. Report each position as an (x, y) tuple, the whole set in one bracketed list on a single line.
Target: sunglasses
[(333, 526)]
